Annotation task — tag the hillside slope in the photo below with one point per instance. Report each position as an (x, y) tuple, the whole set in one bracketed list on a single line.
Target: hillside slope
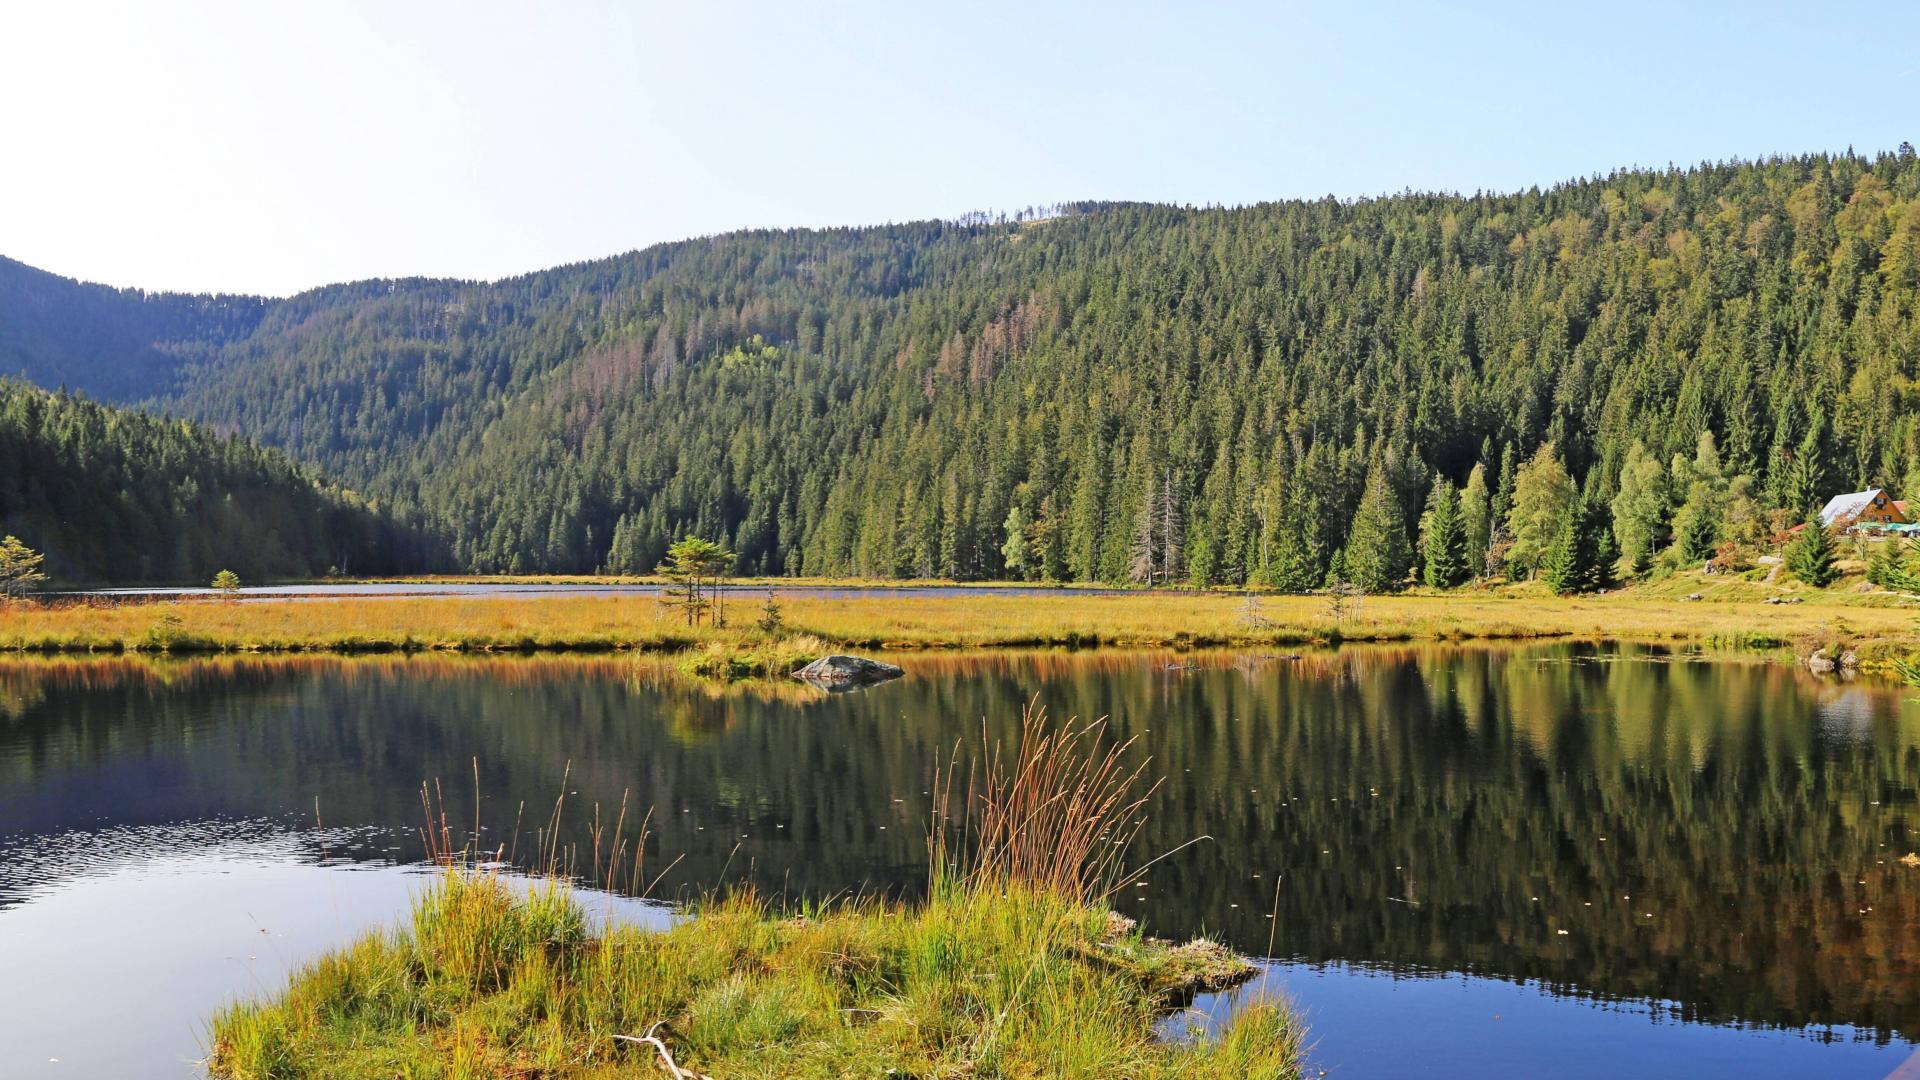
[(114, 496), (1144, 392)]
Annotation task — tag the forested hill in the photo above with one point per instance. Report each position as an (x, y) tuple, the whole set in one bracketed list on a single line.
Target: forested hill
[(113, 496), (119, 344), (1114, 391)]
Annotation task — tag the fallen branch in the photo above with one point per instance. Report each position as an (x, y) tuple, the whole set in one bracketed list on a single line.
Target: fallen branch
[(666, 1056)]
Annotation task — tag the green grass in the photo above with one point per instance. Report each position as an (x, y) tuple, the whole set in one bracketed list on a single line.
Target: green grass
[(752, 658), (1014, 966), (482, 983)]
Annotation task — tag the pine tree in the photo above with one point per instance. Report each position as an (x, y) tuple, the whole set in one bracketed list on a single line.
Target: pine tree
[(1443, 538), (19, 567), (1378, 556), (1810, 556), (1504, 492)]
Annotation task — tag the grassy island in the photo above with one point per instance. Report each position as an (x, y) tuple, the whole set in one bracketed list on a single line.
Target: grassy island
[(1014, 967), (484, 984)]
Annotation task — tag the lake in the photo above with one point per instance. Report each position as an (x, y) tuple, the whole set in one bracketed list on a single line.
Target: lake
[(1544, 860)]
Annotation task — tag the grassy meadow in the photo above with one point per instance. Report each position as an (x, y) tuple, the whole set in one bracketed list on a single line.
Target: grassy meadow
[(1729, 612)]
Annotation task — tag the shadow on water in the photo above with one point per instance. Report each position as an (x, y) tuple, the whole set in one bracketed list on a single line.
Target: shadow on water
[(1721, 838)]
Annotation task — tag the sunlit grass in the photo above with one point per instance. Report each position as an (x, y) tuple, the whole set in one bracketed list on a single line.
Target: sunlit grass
[(1729, 613)]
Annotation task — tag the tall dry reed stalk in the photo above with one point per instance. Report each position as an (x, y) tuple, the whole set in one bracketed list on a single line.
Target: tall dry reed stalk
[(615, 860), (1056, 813)]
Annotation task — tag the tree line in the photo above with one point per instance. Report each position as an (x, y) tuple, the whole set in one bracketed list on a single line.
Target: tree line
[(92, 493)]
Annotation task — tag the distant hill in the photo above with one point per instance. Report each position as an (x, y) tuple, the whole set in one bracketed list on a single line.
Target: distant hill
[(113, 496), (120, 344), (1143, 392)]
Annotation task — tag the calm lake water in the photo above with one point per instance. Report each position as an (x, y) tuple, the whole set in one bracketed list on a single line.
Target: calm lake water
[(1483, 861)]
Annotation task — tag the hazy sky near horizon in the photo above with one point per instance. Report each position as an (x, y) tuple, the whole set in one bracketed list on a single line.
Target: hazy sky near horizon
[(242, 146)]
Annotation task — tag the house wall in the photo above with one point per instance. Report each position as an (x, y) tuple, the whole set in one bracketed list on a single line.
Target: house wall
[(1882, 511)]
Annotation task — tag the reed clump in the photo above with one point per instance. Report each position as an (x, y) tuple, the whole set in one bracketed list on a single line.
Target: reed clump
[(1013, 966)]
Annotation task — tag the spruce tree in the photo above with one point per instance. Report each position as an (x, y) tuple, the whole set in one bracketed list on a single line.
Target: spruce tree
[(1561, 566), (1603, 555), (1378, 556), (1443, 538), (1810, 555), (1294, 562)]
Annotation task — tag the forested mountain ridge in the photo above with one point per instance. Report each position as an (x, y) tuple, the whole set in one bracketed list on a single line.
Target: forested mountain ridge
[(1117, 392), (110, 495), (120, 344)]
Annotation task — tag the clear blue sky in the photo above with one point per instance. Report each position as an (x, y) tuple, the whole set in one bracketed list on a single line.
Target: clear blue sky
[(269, 147)]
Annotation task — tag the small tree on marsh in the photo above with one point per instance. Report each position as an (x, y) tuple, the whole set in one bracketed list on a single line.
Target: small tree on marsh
[(19, 567), (695, 567), (772, 618), (227, 582)]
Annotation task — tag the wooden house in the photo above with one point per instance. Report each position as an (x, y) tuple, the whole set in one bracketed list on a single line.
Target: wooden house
[(1873, 507)]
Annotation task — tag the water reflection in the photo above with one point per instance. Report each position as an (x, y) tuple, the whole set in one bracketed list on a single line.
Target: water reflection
[(1613, 824)]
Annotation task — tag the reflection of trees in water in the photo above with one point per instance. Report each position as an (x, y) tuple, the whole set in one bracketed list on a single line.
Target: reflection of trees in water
[(1699, 831)]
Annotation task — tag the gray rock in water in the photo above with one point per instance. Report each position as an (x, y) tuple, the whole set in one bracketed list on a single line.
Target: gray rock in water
[(839, 672)]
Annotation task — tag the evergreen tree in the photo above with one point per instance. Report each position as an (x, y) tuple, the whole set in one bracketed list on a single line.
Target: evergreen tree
[(1581, 555), (1378, 556), (1294, 564), (19, 568), (1810, 556), (1443, 538), (1562, 566), (1598, 547), (1503, 492)]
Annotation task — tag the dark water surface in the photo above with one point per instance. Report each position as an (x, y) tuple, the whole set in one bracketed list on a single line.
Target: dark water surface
[(1483, 861)]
